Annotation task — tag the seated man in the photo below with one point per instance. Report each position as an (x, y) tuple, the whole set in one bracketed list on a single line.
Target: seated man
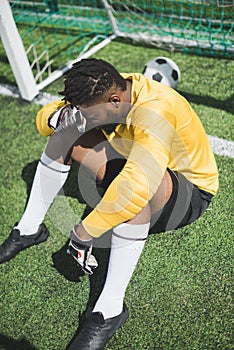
[(146, 146)]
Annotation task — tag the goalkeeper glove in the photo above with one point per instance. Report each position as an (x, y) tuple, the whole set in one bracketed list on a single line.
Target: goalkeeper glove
[(81, 252), (67, 116)]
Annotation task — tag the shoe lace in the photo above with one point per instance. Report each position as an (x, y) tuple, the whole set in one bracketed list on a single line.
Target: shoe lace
[(91, 327)]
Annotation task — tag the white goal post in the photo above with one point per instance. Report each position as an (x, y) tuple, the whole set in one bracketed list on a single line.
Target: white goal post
[(17, 56), (16, 53)]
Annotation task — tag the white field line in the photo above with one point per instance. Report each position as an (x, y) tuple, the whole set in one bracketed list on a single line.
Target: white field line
[(220, 146)]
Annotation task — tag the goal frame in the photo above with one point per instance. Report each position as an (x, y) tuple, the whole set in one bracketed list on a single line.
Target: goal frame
[(27, 84)]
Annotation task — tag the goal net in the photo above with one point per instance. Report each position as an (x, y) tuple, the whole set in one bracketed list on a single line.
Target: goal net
[(55, 33), (199, 26)]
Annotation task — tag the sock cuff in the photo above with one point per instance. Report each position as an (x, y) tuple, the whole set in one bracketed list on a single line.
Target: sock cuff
[(53, 164), (132, 232)]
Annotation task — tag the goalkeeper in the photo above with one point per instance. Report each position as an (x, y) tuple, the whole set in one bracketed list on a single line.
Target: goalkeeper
[(145, 145)]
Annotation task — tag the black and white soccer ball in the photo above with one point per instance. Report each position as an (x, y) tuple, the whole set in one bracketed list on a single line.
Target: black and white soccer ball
[(164, 70)]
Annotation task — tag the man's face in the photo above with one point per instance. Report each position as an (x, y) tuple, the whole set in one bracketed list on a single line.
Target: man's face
[(110, 110), (104, 115)]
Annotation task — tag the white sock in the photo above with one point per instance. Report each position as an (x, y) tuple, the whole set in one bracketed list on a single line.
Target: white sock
[(126, 247), (49, 179)]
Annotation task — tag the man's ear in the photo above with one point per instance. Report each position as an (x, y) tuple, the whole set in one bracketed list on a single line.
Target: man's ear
[(115, 100)]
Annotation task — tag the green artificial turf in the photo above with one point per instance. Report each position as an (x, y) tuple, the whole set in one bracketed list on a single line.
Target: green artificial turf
[(180, 296)]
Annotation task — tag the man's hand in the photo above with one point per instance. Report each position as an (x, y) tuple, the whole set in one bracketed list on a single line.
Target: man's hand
[(67, 116), (57, 114), (81, 252)]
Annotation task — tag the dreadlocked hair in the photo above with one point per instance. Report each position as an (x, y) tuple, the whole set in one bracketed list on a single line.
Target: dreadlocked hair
[(89, 79)]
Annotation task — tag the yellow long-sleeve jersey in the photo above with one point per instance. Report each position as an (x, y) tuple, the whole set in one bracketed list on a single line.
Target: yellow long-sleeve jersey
[(161, 131)]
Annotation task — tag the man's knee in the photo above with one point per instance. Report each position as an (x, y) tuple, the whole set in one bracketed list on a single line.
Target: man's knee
[(60, 145), (161, 197), (143, 217)]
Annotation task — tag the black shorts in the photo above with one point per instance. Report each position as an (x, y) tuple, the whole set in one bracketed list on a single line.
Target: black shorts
[(185, 205)]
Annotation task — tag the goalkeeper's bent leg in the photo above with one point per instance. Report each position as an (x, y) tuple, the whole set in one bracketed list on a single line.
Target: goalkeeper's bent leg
[(49, 179), (128, 241)]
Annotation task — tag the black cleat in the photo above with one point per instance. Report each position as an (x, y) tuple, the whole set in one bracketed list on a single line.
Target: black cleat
[(96, 331), (15, 243)]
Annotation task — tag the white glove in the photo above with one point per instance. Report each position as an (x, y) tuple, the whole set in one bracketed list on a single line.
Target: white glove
[(67, 116), (81, 252)]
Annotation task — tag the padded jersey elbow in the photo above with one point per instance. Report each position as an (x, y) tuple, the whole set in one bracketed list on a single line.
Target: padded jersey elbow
[(43, 116)]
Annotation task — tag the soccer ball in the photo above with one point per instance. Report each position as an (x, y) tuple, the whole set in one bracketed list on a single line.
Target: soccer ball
[(164, 70)]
